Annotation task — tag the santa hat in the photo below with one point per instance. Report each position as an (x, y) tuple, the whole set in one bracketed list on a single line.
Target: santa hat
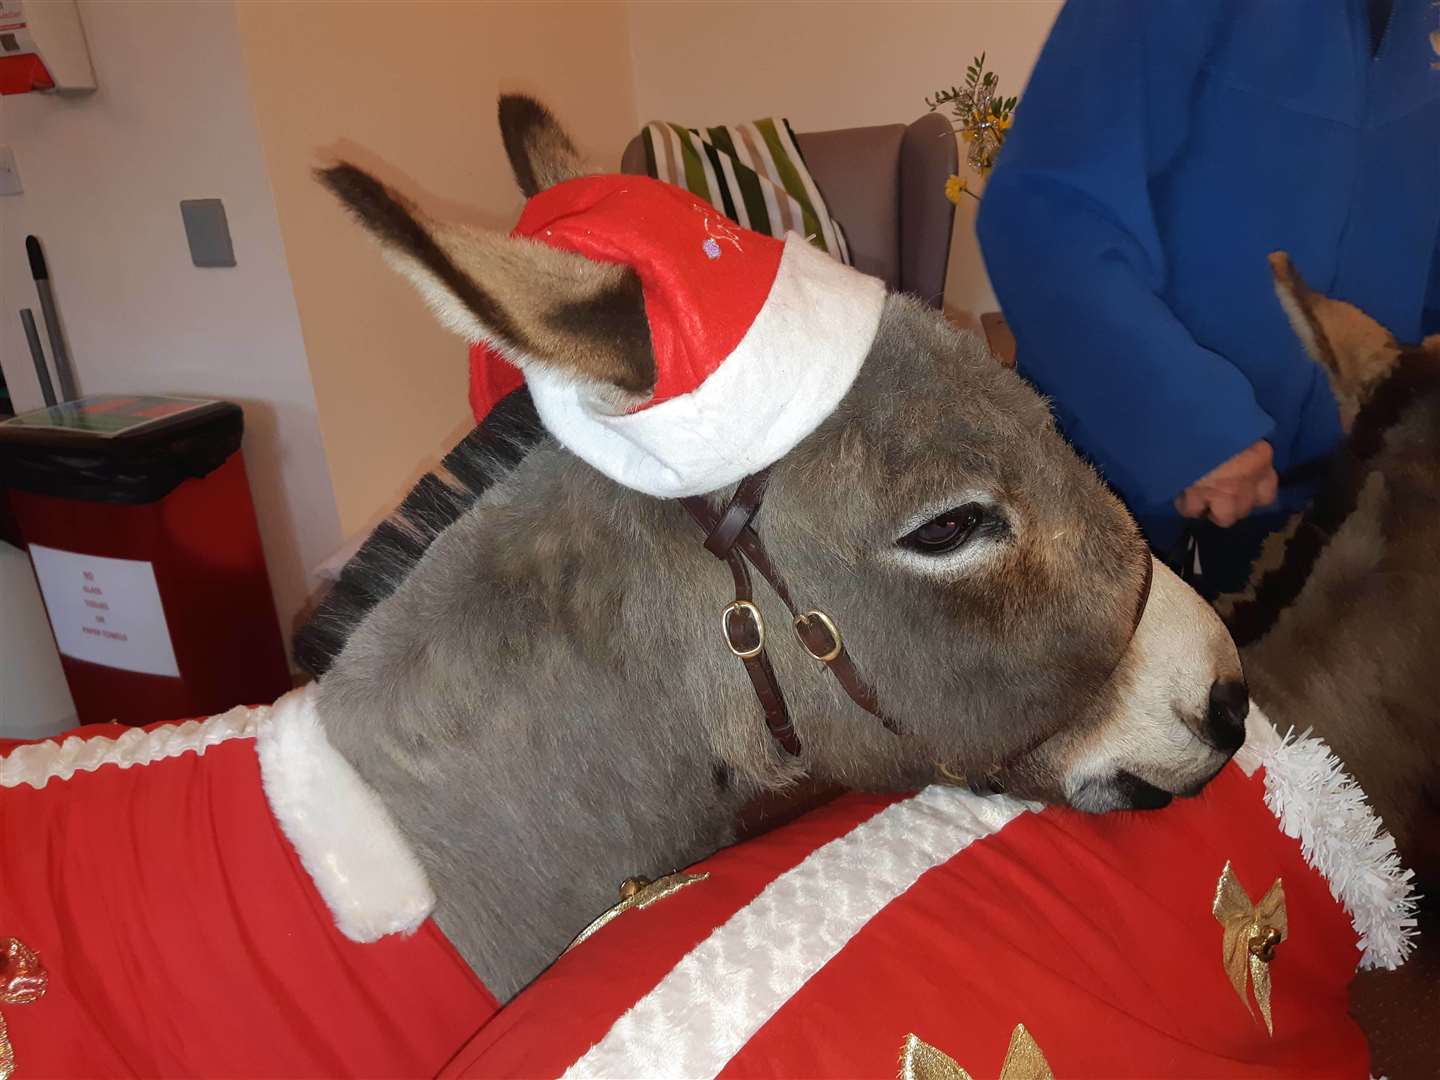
[(755, 340)]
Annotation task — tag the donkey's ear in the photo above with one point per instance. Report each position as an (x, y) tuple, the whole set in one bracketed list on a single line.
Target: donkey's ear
[(1355, 350), (540, 306), (540, 152)]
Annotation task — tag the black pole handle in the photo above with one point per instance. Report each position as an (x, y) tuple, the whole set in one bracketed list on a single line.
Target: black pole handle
[(38, 270)]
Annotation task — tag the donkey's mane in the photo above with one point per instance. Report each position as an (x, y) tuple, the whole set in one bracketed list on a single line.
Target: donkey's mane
[(1415, 375), (434, 504)]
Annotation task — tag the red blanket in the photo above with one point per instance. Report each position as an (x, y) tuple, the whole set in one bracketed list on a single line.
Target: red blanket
[(181, 933), (821, 949)]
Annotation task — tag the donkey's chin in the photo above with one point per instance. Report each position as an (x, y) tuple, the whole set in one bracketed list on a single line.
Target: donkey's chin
[(1123, 791), (1126, 790), (1134, 786)]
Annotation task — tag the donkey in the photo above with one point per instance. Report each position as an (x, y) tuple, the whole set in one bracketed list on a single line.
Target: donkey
[(536, 685), (1340, 623)]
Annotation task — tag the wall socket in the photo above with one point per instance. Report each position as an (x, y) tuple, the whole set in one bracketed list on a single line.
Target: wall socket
[(9, 174), (208, 232)]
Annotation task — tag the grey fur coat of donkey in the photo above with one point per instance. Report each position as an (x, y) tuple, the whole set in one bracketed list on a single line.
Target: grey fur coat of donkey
[(526, 664)]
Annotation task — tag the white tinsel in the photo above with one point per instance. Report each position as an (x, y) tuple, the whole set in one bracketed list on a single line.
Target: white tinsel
[(1319, 804)]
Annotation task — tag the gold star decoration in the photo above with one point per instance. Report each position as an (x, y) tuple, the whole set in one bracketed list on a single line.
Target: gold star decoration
[(23, 981), (1023, 1060), (1252, 932), (637, 893)]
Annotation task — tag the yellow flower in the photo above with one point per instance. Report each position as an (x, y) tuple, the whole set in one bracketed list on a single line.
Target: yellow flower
[(968, 134), (1004, 122), (954, 188)]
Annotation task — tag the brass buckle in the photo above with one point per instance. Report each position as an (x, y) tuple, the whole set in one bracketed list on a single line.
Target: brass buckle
[(756, 619), (829, 624)]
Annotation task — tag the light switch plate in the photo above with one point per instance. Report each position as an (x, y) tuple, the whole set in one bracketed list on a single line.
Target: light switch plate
[(208, 232), (9, 174)]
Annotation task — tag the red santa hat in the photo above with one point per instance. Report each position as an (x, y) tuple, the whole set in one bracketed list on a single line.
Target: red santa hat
[(755, 339)]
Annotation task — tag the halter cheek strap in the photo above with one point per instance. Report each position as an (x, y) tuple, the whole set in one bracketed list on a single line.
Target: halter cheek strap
[(729, 537)]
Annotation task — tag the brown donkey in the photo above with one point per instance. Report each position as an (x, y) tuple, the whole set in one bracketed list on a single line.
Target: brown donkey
[(1340, 626)]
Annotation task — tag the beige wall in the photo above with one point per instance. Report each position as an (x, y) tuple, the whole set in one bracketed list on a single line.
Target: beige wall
[(833, 64), (103, 178), (409, 91), (313, 334)]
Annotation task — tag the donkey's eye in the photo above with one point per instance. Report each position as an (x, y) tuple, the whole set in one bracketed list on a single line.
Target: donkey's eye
[(946, 532)]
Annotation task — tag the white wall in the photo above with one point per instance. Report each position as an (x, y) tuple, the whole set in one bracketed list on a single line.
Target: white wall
[(103, 178), (841, 63)]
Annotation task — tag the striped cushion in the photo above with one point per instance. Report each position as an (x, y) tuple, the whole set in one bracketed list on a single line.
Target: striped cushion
[(753, 173)]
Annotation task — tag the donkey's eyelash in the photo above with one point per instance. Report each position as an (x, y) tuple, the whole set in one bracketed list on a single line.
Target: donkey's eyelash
[(992, 513), (953, 539)]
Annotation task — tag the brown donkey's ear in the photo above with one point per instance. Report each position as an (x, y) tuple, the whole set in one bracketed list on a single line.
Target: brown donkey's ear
[(541, 154), (541, 307), (1355, 350)]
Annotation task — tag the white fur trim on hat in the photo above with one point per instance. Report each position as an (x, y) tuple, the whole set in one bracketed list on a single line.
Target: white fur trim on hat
[(786, 376), (362, 867)]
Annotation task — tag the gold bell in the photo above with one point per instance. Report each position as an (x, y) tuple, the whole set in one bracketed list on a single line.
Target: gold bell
[(631, 886), (1263, 944)]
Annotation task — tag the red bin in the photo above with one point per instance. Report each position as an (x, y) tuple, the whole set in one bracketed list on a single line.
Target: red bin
[(137, 517)]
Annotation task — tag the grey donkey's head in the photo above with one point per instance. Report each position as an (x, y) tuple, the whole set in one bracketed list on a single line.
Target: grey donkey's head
[(989, 587)]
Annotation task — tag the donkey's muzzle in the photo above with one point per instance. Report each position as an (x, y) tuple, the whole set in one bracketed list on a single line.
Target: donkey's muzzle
[(1225, 718)]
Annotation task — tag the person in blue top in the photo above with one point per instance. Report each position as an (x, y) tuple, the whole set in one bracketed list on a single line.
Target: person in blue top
[(1160, 151)]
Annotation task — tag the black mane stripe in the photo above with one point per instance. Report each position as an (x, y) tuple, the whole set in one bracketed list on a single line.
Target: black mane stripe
[(1416, 374), (399, 542)]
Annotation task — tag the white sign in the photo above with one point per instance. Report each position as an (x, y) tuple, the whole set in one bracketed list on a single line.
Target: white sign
[(105, 611), (18, 38)]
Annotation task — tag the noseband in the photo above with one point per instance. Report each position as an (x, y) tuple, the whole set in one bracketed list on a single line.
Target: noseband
[(730, 538)]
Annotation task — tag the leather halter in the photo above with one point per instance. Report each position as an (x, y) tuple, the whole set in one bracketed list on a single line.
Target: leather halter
[(729, 537)]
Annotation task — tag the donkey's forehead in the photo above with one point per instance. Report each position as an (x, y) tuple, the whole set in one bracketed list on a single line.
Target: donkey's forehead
[(924, 370), (929, 407)]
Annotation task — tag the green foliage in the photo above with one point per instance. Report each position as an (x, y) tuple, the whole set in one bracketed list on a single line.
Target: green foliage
[(978, 113)]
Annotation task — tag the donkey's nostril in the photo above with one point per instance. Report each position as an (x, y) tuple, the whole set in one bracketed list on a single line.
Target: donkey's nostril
[(1229, 705)]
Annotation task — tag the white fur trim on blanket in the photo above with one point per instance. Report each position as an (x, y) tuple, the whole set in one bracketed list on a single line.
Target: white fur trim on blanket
[(362, 866), (726, 989), (1341, 837), (39, 763), (787, 374)]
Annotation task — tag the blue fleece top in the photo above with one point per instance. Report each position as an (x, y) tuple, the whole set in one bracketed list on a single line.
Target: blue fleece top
[(1160, 151)]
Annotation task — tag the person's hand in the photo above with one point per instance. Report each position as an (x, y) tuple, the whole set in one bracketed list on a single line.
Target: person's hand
[(1233, 488)]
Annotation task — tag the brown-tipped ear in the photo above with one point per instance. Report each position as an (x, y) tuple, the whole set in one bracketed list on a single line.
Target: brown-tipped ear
[(540, 306), (1298, 301), (541, 154), (1355, 350)]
